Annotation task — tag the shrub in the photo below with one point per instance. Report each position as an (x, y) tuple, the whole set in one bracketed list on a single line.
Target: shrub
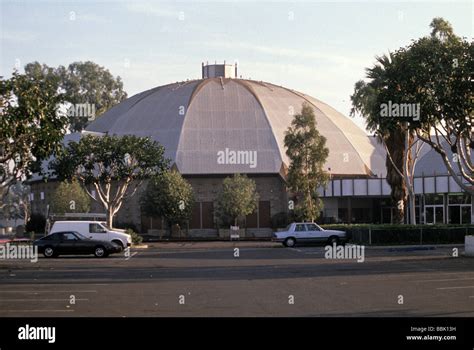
[(405, 234), (136, 238), (70, 197), (170, 196), (237, 199)]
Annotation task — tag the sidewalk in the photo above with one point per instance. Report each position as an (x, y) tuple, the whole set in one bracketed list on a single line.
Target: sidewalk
[(213, 244)]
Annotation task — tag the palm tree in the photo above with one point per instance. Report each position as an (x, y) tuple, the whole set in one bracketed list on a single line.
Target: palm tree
[(366, 100)]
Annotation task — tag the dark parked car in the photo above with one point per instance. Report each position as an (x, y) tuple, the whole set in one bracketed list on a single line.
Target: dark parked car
[(73, 243)]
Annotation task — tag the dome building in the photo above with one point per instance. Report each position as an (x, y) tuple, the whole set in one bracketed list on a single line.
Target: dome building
[(219, 125), (195, 120)]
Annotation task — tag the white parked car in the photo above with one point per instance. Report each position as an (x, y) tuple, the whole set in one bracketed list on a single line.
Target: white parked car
[(93, 230), (308, 232)]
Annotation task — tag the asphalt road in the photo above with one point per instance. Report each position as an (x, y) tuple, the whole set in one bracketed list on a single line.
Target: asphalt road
[(209, 280)]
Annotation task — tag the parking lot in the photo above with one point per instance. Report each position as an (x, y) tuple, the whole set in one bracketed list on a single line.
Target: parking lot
[(258, 279)]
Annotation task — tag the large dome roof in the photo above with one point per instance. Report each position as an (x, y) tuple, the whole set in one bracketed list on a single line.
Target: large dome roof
[(195, 120)]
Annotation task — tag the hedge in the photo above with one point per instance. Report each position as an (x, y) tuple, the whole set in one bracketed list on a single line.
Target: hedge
[(404, 234)]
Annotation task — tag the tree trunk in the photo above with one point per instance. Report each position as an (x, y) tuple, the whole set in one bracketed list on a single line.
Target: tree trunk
[(408, 171), (412, 209), (396, 146), (399, 215), (26, 212), (110, 217)]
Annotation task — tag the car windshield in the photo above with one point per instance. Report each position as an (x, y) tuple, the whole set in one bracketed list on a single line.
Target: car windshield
[(288, 227)]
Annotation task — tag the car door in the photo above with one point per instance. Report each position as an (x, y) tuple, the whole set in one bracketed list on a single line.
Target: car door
[(52, 240), (97, 232), (314, 233), (67, 243), (301, 233), (84, 245)]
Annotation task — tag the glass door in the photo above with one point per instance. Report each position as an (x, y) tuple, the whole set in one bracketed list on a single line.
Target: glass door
[(434, 214)]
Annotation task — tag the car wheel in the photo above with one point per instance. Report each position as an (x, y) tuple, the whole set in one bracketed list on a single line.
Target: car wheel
[(49, 252), (100, 252), (118, 242), (290, 242), (333, 240)]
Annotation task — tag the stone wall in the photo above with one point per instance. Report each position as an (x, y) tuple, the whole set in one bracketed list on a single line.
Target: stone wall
[(270, 188)]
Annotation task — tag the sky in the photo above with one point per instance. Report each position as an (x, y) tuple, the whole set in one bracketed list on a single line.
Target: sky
[(319, 48)]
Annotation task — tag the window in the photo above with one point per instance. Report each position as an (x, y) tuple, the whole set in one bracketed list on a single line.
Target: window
[(429, 215), (434, 214), (300, 228), (439, 213), (42, 196), (342, 214), (459, 199), (360, 215), (418, 207), (431, 199), (386, 213), (459, 208), (312, 227), (69, 236), (434, 209), (96, 228), (465, 215), (454, 213)]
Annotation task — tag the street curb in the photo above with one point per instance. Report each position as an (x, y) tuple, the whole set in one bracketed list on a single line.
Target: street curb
[(140, 246), (269, 244)]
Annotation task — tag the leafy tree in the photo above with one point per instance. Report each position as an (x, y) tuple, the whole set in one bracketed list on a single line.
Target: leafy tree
[(393, 133), (30, 127), (442, 66), (441, 29), (44, 73), (69, 197), (113, 165), (81, 83), (237, 199), (170, 196), (17, 203), (433, 72), (87, 82), (307, 151)]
